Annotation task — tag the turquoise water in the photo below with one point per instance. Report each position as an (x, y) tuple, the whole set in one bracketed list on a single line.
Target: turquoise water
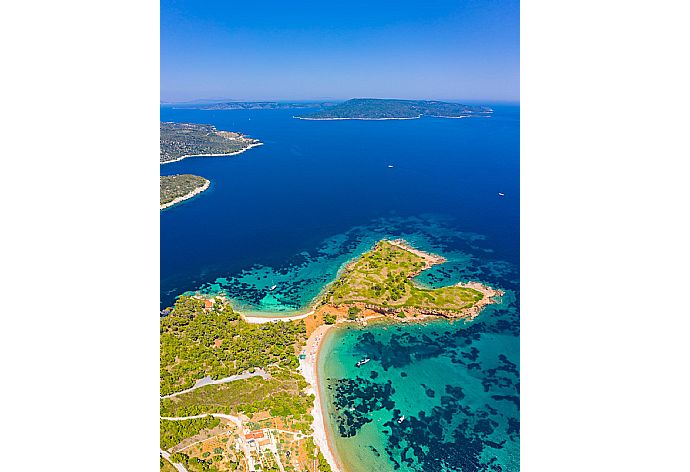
[(317, 193), (457, 384), (292, 212)]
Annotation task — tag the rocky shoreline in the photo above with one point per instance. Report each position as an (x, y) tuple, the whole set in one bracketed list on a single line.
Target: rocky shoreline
[(191, 194)]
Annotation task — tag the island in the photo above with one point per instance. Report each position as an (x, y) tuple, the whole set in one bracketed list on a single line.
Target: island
[(389, 109), (181, 187), (242, 392), (234, 105), (181, 140)]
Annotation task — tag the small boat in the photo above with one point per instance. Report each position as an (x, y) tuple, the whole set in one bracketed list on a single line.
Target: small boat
[(362, 362), (401, 419), (390, 166), (273, 287), (501, 194)]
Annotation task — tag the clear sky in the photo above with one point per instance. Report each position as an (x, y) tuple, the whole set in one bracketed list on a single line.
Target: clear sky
[(290, 50)]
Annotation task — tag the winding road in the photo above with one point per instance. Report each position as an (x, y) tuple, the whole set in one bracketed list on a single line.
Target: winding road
[(208, 381)]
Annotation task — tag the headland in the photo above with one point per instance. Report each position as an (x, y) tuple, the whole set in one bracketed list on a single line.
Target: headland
[(204, 337), (181, 140), (178, 188)]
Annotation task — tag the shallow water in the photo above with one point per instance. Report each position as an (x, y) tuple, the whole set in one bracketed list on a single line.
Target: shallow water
[(318, 193), (291, 213)]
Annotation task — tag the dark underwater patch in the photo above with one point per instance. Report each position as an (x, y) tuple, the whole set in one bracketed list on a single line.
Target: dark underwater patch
[(355, 400)]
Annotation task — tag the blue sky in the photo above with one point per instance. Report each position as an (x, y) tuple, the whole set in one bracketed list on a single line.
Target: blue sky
[(456, 50)]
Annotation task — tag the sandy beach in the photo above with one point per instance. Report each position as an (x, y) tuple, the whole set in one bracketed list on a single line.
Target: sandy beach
[(309, 369), (266, 319), (191, 194)]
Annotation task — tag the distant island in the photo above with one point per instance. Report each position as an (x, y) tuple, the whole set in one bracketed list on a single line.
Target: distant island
[(242, 392), (255, 105), (180, 140), (178, 188), (388, 109)]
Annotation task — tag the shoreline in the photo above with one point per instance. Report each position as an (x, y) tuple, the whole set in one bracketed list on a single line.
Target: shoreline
[(191, 194), (309, 366), (478, 115), (361, 119), (430, 260), (270, 319), (258, 143), (310, 371)]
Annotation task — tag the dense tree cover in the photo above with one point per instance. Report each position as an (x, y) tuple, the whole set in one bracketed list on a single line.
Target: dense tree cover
[(172, 432), (175, 186), (383, 277), (373, 108), (186, 139), (329, 319), (195, 343)]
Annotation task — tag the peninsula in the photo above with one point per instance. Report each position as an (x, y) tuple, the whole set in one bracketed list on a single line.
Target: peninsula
[(181, 140), (242, 393), (389, 109), (181, 187)]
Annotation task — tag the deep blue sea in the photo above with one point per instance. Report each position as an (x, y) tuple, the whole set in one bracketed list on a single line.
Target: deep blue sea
[(290, 213)]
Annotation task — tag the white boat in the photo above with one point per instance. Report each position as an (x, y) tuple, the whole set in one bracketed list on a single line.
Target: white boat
[(362, 362), (273, 287), (401, 419), (390, 166), (501, 194)]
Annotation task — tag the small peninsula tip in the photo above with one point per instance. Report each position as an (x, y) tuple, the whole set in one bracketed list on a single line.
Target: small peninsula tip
[(180, 140), (181, 187)]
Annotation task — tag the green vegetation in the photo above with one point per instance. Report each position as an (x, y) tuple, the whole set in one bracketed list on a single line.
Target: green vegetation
[(166, 466), (353, 313), (312, 454), (382, 277), (186, 139), (175, 186), (257, 105), (195, 342), (195, 464), (280, 396), (329, 319), (173, 432), (372, 108), (322, 463)]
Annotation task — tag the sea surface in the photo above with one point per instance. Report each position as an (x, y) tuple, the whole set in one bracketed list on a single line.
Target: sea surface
[(317, 194)]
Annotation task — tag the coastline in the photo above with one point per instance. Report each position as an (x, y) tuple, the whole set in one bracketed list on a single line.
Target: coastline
[(480, 115), (270, 319), (191, 194), (310, 371), (309, 366), (258, 143), (360, 119)]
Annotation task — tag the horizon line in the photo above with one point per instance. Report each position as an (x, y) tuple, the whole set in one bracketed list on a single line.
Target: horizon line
[(325, 99)]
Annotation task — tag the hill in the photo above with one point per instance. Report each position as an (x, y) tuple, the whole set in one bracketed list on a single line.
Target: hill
[(388, 109)]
